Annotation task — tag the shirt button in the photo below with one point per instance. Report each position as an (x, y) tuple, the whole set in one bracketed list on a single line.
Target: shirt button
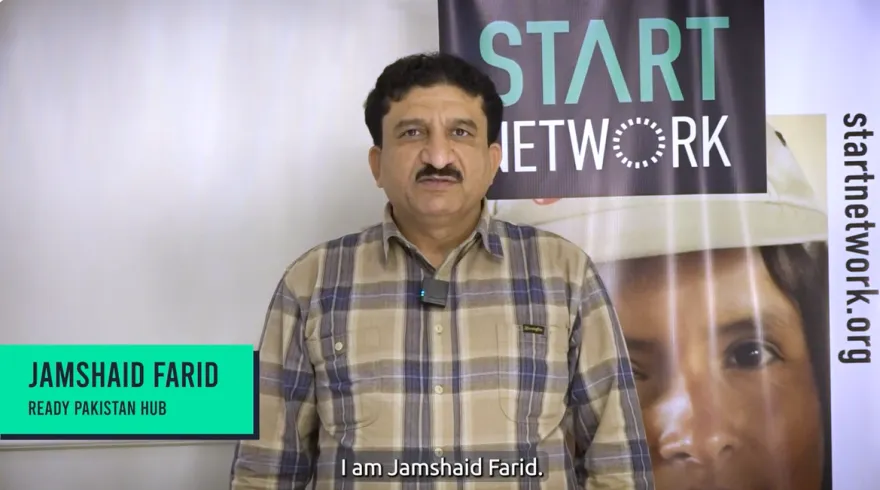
[(438, 452), (338, 346), (438, 389), (438, 328)]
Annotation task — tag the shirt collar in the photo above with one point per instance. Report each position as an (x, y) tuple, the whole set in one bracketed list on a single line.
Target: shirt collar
[(486, 230)]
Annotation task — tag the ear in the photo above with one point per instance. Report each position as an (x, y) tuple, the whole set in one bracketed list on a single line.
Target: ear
[(495, 154), (374, 157)]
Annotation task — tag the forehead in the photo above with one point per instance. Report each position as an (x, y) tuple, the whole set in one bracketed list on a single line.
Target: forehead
[(681, 303), (736, 268), (436, 104)]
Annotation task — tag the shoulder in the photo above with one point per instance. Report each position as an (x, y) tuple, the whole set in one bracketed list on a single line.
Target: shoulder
[(553, 251), (305, 274), (558, 261)]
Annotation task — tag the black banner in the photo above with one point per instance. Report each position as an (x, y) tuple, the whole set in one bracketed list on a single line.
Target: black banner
[(623, 97)]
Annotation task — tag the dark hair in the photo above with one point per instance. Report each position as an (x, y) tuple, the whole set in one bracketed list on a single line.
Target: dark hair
[(801, 272), (428, 70)]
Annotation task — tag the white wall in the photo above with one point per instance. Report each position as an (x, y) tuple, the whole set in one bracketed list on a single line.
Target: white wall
[(189, 467), (160, 164)]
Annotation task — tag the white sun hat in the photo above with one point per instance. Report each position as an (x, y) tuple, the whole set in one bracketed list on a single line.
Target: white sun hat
[(619, 228)]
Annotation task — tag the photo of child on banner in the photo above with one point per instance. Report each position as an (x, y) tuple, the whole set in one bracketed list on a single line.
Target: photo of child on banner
[(723, 303)]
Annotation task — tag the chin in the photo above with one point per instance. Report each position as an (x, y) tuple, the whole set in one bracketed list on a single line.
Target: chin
[(439, 207), (438, 213)]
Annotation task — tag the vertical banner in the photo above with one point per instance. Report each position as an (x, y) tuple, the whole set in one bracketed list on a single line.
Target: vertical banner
[(646, 133)]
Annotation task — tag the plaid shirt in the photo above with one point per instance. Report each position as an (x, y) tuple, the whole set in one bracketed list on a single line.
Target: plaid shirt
[(525, 360)]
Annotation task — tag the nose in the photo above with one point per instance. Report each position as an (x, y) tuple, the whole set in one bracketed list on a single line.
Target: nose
[(693, 425), (437, 152)]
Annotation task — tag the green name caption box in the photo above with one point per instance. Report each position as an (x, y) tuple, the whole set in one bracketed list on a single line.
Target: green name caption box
[(129, 392)]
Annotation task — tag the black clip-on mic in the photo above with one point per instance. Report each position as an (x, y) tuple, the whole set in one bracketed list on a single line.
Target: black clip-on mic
[(434, 292)]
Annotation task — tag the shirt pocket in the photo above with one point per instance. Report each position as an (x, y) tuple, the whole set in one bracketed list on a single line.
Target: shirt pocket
[(347, 387), (533, 374)]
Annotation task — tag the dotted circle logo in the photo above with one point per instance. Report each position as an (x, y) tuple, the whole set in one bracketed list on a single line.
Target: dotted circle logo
[(658, 151)]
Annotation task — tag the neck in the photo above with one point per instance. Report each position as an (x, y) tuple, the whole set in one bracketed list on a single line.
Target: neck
[(435, 238)]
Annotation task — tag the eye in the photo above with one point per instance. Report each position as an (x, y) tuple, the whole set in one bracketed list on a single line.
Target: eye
[(639, 374), (411, 133), (751, 354), (461, 133)]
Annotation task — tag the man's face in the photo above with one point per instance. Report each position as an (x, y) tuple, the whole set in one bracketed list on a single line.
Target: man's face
[(435, 159), (723, 373)]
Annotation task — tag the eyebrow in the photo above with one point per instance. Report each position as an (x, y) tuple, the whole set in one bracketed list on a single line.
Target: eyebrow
[(747, 326), (751, 326), (465, 122), (461, 121), (641, 345)]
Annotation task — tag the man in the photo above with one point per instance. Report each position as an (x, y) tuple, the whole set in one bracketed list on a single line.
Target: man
[(442, 335)]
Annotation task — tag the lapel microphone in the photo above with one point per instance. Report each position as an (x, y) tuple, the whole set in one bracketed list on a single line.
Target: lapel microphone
[(434, 292)]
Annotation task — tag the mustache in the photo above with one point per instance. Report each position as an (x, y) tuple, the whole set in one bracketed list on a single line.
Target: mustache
[(429, 171)]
